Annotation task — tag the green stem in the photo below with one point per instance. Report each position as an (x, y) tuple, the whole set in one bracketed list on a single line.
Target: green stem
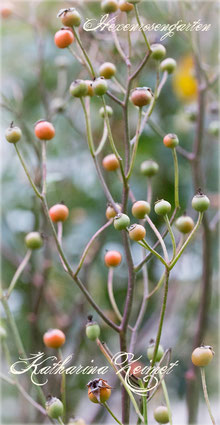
[(144, 401), (27, 172), (17, 339), (18, 272), (171, 234), (166, 396), (108, 358), (157, 233), (89, 244), (162, 314), (63, 385), (172, 264), (88, 129), (139, 23), (176, 178), (134, 152), (16, 382), (60, 421), (111, 140), (111, 413), (84, 53), (44, 167), (102, 141), (206, 394), (157, 287), (145, 245), (111, 294)]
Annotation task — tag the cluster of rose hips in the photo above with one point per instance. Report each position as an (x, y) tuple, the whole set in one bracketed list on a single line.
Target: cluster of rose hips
[(44, 130)]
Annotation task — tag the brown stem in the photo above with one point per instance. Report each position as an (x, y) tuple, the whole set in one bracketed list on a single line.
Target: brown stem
[(192, 384)]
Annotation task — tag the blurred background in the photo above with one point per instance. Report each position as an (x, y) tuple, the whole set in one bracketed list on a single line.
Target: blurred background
[(35, 77)]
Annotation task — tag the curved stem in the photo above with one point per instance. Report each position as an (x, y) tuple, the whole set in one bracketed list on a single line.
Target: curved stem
[(102, 141), (111, 413), (18, 272), (176, 178), (134, 152), (166, 396), (140, 25), (27, 172), (145, 245), (144, 401), (171, 234), (172, 264), (157, 233), (18, 341), (162, 82), (120, 50), (111, 140), (157, 287), (111, 294), (89, 244), (134, 330), (206, 394), (88, 129), (148, 256), (74, 277), (60, 421), (109, 359), (84, 53), (162, 314)]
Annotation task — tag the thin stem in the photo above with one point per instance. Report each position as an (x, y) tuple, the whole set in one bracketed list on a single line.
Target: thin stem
[(92, 150), (88, 129), (16, 383), (17, 338), (140, 25), (162, 82), (19, 271), (166, 396), (157, 233), (111, 294), (119, 49), (162, 314), (142, 310), (111, 413), (111, 140), (134, 152), (171, 234), (44, 168), (108, 358), (60, 421), (145, 245), (148, 256), (102, 141), (176, 178), (157, 287), (73, 276), (89, 244), (84, 53), (27, 172), (172, 264), (118, 84), (144, 401), (204, 386), (63, 385)]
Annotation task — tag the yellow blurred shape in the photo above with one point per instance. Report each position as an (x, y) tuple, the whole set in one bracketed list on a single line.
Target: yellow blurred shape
[(184, 81)]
